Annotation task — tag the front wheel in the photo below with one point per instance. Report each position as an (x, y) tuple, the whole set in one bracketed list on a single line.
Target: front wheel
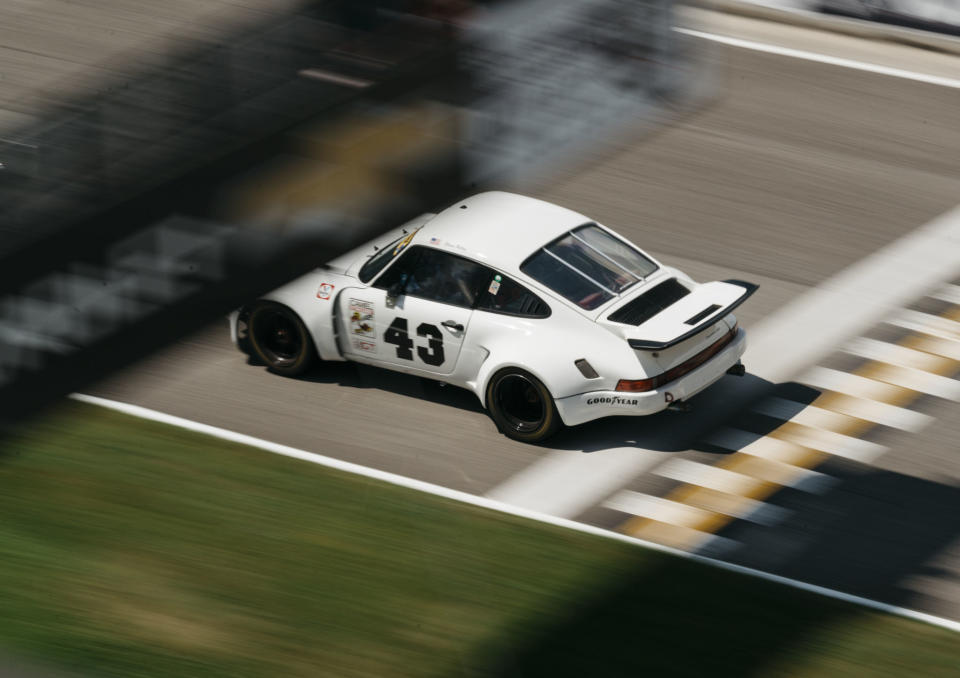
[(521, 406), (278, 338)]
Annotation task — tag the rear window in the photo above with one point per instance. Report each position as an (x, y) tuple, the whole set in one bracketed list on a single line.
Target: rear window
[(588, 266)]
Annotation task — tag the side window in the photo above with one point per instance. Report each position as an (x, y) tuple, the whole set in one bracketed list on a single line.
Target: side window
[(400, 271), (503, 295), (437, 276)]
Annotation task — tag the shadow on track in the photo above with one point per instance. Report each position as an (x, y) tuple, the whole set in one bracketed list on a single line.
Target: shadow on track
[(665, 431), (355, 375), (876, 535)]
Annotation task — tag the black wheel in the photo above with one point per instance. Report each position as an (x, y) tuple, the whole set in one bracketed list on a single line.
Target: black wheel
[(243, 331), (521, 406), (278, 338)]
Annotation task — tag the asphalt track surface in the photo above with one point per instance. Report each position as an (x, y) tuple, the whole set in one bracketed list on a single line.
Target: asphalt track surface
[(796, 171)]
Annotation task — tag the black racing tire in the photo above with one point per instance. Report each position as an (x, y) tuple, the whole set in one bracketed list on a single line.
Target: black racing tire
[(243, 331), (521, 406), (279, 339)]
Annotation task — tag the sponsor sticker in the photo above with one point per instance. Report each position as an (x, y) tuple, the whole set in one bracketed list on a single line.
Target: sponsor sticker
[(362, 328), (324, 291), (613, 400)]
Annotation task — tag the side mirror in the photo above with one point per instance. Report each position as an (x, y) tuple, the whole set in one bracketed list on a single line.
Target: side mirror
[(393, 293)]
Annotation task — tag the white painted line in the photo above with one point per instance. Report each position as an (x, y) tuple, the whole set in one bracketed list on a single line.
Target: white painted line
[(482, 502), (783, 449), (842, 382), (920, 381), (334, 78), (837, 444), (737, 440), (950, 293), (705, 475), (731, 482), (822, 58), (882, 413), (804, 331), (836, 417), (677, 513), (933, 325), (657, 508), (567, 482), (779, 455), (800, 413), (945, 347), (892, 354)]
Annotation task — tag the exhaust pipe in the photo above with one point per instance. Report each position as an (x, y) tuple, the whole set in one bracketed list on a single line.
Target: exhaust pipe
[(737, 370), (679, 406)]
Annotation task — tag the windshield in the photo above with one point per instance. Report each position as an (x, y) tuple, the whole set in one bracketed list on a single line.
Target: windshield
[(384, 256), (588, 266)]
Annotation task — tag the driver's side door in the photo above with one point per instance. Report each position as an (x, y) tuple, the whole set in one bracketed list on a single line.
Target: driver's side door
[(415, 316)]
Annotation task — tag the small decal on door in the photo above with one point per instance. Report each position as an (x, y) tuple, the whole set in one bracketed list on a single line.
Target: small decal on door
[(364, 345)]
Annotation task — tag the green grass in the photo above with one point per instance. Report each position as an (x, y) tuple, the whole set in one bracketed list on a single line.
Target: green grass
[(130, 548)]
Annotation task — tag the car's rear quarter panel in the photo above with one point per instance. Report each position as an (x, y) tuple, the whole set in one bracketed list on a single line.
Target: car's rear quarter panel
[(547, 348)]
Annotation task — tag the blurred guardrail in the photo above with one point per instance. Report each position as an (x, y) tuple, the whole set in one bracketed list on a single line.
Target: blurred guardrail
[(939, 16), (132, 216)]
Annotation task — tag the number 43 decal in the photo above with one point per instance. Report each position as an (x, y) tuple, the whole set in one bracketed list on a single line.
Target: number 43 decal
[(432, 354)]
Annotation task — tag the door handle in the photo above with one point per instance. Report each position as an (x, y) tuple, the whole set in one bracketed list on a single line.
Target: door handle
[(452, 325)]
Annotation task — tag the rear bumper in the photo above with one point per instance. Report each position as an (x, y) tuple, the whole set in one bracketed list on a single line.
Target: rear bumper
[(592, 405)]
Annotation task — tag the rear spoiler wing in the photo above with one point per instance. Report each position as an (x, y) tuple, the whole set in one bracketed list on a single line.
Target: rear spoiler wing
[(702, 324)]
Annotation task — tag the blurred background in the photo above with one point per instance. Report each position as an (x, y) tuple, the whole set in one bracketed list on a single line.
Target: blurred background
[(162, 163)]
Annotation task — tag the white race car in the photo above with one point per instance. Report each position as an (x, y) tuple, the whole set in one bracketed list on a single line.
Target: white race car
[(549, 317)]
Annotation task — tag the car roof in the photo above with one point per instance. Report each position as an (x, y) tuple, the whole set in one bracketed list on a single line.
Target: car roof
[(497, 228)]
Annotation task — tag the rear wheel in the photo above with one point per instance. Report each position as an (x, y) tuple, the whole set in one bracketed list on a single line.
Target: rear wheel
[(521, 406), (278, 337)]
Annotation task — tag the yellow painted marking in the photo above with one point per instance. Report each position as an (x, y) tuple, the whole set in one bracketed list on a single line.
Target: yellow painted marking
[(720, 502), (341, 163), (766, 469), (942, 347), (772, 474), (684, 538)]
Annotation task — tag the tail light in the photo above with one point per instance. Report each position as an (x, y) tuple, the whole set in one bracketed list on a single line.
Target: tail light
[(637, 385), (687, 366)]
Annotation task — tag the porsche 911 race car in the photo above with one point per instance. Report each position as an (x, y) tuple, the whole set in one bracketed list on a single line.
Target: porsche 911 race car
[(549, 317)]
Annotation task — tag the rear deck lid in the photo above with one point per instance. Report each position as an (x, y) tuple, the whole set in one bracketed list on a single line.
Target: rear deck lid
[(671, 312)]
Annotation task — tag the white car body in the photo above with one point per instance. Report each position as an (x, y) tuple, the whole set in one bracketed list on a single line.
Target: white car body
[(348, 319)]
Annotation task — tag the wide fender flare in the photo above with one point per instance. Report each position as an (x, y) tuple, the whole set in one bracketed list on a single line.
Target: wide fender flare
[(317, 315), (493, 364)]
